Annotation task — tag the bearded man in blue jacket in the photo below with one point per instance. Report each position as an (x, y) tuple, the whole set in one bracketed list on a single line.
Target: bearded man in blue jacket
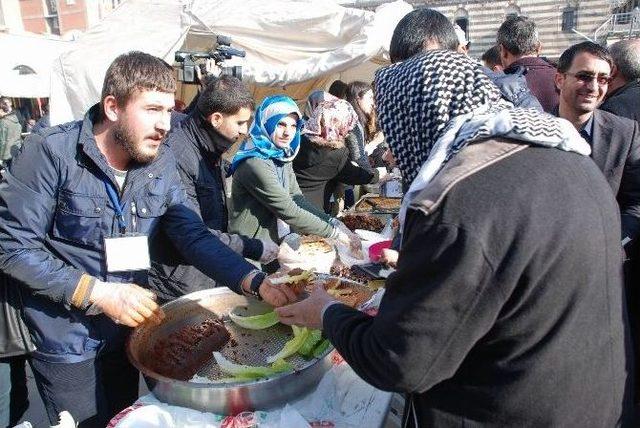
[(78, 207)]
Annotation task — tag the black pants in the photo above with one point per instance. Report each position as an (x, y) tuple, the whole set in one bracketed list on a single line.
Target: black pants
[(93, 391), (14, 397)]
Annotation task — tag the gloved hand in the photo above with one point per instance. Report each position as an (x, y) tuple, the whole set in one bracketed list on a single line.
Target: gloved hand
[(126, 304), (346, 237), (269, 251)]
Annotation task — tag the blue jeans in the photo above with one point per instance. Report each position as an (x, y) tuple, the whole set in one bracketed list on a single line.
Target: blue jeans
[(93, 391), (14, 398)]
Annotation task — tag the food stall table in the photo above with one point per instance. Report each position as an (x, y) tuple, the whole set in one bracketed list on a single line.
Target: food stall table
[(341, 399)]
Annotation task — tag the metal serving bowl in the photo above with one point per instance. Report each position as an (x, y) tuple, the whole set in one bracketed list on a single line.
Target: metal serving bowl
[(252, 347)]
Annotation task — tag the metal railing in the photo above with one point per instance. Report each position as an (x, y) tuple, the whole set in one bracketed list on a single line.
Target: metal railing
[(620, 24)]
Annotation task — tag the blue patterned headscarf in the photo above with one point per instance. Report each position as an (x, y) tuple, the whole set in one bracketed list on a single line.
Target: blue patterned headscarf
[(260, 142)]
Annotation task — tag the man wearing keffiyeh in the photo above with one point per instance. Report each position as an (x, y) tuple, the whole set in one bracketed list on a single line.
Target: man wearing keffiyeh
[(506, 308)]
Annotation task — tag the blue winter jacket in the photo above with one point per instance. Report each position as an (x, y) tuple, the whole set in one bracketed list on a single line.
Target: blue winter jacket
[(54, 216), (514, 88)]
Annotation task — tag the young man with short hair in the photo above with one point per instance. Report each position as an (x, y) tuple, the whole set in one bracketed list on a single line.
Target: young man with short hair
[(75, 234), (220, 118)]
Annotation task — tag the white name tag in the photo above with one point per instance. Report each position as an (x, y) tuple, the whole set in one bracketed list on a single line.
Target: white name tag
[(127, 253)]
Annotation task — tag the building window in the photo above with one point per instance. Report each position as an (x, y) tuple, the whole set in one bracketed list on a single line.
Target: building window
[(569, 19)]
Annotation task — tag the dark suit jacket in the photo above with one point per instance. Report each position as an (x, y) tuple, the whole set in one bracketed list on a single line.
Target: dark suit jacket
[(625, 101), (616, 151)]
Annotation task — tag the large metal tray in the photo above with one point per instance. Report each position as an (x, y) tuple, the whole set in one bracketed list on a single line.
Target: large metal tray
[(253, 347), (364, 205)]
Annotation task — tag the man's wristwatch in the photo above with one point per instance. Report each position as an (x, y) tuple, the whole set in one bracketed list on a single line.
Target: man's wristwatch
[(256, 282)]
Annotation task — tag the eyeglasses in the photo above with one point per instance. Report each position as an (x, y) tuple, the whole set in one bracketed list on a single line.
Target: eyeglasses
[(585, 77)]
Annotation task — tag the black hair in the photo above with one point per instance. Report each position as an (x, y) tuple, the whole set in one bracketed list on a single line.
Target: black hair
[(418, 28), (567, 57), (338, 89), (226, 95), (492, 56)]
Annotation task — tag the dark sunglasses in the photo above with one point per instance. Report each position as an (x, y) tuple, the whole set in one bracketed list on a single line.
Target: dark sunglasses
[(585, 77)]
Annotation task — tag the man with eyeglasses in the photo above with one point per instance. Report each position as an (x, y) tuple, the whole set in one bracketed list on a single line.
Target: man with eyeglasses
[(584, 73)]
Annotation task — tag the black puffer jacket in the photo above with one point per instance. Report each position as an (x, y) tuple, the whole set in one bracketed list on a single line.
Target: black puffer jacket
[(197, 147), (319, 167)]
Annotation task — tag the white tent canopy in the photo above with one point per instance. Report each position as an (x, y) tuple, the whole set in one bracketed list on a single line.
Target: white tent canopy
[(292, 46), (28, 51)]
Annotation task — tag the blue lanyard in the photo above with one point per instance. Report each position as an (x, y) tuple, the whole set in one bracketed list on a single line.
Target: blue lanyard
[(117, 206)]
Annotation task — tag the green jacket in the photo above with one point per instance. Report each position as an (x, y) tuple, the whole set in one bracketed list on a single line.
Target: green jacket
[(10, 135), (259, 197)]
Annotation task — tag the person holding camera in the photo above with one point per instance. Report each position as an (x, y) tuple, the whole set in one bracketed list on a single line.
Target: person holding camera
[(220, 118)]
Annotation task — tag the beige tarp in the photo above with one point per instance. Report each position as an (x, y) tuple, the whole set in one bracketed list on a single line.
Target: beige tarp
[(292, 46)]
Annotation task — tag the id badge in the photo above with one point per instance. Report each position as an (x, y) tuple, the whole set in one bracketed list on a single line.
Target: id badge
[(127, 253)]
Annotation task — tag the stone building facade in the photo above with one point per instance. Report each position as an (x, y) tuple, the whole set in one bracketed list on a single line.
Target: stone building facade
[(561, 23)]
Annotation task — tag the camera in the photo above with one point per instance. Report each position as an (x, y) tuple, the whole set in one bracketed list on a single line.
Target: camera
[(188, 60)]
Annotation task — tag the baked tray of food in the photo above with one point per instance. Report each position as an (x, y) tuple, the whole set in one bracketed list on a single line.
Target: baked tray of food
[(377, 204), (173, 354)]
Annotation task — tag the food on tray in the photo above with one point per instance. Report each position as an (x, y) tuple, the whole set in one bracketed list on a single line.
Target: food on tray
[(240, 372), (344, 271), (363, 221), (297, 279), (185, 351), (346, 292), (254, 322), (312, 244), (378, 204)]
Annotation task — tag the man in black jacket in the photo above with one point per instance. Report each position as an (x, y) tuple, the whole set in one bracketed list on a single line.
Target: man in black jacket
[(624, 88), (506, 309), (220, 118)]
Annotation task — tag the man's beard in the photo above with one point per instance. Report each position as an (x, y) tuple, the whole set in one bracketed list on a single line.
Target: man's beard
[(126, 139)]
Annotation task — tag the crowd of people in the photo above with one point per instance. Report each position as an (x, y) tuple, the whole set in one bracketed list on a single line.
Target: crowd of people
[(513, 300)]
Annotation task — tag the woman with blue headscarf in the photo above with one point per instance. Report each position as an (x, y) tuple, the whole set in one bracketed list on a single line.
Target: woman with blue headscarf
[(266, 201)]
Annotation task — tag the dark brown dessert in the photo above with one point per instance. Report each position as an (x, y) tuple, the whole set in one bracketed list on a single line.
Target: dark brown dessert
[(185, 351), (379, 204), (363, 221)]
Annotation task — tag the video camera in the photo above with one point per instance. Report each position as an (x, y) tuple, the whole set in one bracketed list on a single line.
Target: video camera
[(220, 54)]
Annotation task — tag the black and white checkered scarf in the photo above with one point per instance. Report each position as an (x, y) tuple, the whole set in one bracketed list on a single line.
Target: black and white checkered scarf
[(432, 105)]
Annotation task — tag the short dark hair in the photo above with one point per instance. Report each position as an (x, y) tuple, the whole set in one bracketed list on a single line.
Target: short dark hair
[(626, 57), (519, 36), (134, 72), (338, 89), (226, 95), (419, 27), (492, 56), (566, 59)]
